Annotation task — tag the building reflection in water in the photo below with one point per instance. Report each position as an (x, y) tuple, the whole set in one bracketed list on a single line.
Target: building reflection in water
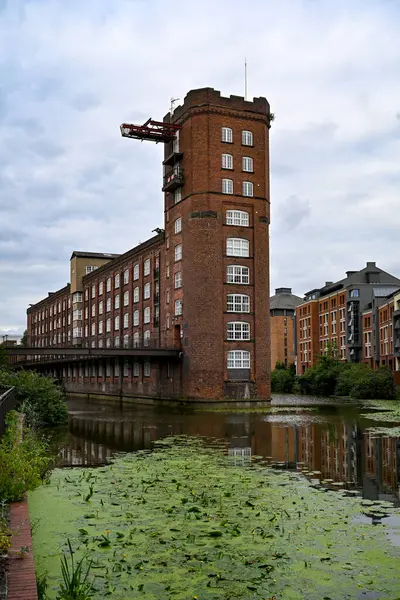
[(334, 451)]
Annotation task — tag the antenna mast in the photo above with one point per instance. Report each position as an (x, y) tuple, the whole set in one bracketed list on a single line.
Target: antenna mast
[(245, 78)]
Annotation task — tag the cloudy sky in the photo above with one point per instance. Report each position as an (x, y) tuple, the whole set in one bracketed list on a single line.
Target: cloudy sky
[(72, 71)]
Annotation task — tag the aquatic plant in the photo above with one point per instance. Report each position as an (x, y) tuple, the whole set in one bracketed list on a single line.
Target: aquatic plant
[(181, 522), (75, 585)]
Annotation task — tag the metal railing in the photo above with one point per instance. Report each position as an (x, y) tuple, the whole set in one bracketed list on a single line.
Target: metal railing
[(8, 401)]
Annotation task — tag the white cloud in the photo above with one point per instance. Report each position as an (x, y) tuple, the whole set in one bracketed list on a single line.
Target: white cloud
[(71, 72)]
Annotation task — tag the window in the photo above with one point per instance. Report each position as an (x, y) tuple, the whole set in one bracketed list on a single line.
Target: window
[(178, 225), (126, 320), (93, 310), (146, 315), (247, 188), (108, 342), (136, 272), (77, 297), (100, 327), (227, 186), (93, 291), (237, 247), (86, 298), (227, 161), (108, 325), (226, 135), (93, 328), (126, 340), (116, 301), (237, 217), (177, 195), (136, 340), (146, 338), (136, 369), (136, 294), (126, 276), (101, 307), (178, 307), (116, 368), (136, 318), (108, 285), (146, 291), (126, 298), (108, 304), (238, 331), (126, 366), (247, 164), (178, 280), (100, 288), (77, 314), (108, 370), (238, 359), (354, 293), (90, 269), (116, 323), (238, 303), (146, 369), (237, 274), (247, 138), (146, 267), (178, 252)]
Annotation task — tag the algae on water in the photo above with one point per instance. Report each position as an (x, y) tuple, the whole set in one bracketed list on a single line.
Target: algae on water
[(182, 522)]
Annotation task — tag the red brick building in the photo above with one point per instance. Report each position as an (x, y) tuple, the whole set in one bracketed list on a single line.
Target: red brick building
[(200, 286)]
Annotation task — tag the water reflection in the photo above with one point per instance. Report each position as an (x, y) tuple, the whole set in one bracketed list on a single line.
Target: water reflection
[(333, 448)]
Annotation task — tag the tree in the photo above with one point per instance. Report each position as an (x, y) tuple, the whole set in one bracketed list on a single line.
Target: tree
[(24, 339)]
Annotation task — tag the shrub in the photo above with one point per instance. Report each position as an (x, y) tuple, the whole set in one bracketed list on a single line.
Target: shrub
[(321, 379), (42, 400), (22, 464), (282, 381), (348, 377), (374, 385)]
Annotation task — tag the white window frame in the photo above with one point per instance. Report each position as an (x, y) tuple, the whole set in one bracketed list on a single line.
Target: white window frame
[(178, 225), (100, 328), (116, 323), (126, 276), (227, 161), (146, 267), (126, 320), (248, 189), (136, 369), (247, 164), (93, 291), (108, 304), (126, 298), (136, 340), (178, 252), (136, 318), (116, 280), (237, 274), (116, 301), (178, 307), (178, 279), (146, 369), (93, 328), (247, 138), (93, 310), (238, 303), (136, 272), (237, 247), (108, 284), (136, 295), (146, 337), (101, 305), (237, 217), (238, 330), (146, 291), (147, 315), (126, 341), (177, 195), (226, 135), (100, 288), (227, 186), (108, 325), (238, 359)]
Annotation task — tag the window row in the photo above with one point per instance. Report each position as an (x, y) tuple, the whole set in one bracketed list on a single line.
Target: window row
[(109, 371), (227, 136), (247, 187), (247, 163), (77, 314), (117, 280)]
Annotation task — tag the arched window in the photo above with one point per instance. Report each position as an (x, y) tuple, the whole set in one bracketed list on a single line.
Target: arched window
[(238, 359), (238, 330), (237, 247), (227, 161), (239, 303), (237, 274)]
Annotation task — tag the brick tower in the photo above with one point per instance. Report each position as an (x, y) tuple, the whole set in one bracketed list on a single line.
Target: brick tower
[(216, 276)]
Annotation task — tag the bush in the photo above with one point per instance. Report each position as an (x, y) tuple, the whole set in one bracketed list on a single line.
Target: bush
[(41, 399), (349, 376), (282, 381), (22, 463), (320, 380), (375, 385)]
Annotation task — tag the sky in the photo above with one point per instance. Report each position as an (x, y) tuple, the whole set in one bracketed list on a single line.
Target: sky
[(72, 71)]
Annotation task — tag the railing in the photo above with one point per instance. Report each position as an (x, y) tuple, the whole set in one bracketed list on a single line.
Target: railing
[(173, 179), (8, 401)]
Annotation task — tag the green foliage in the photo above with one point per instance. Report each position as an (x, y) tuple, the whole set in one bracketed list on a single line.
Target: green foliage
[(41, 586), (75, 584), (22, 463), (184, 521), (331, 377), (42, 401), (24, 339), (4, 363), (282, 381)]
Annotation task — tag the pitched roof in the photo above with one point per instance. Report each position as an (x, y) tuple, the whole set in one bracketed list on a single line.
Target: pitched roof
[(81, 254)]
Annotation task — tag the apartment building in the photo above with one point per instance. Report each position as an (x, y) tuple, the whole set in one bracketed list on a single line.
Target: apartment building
[(336, 314), (282, 307), (201, 284)]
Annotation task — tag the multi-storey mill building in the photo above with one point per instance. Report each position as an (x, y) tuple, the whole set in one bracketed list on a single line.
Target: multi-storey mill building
[(201, 285)]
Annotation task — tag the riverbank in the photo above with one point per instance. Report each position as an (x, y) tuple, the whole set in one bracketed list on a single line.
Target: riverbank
[(21, 577)]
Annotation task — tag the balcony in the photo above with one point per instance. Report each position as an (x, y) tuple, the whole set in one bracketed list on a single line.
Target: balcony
[(173, 158), (173, 180)]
